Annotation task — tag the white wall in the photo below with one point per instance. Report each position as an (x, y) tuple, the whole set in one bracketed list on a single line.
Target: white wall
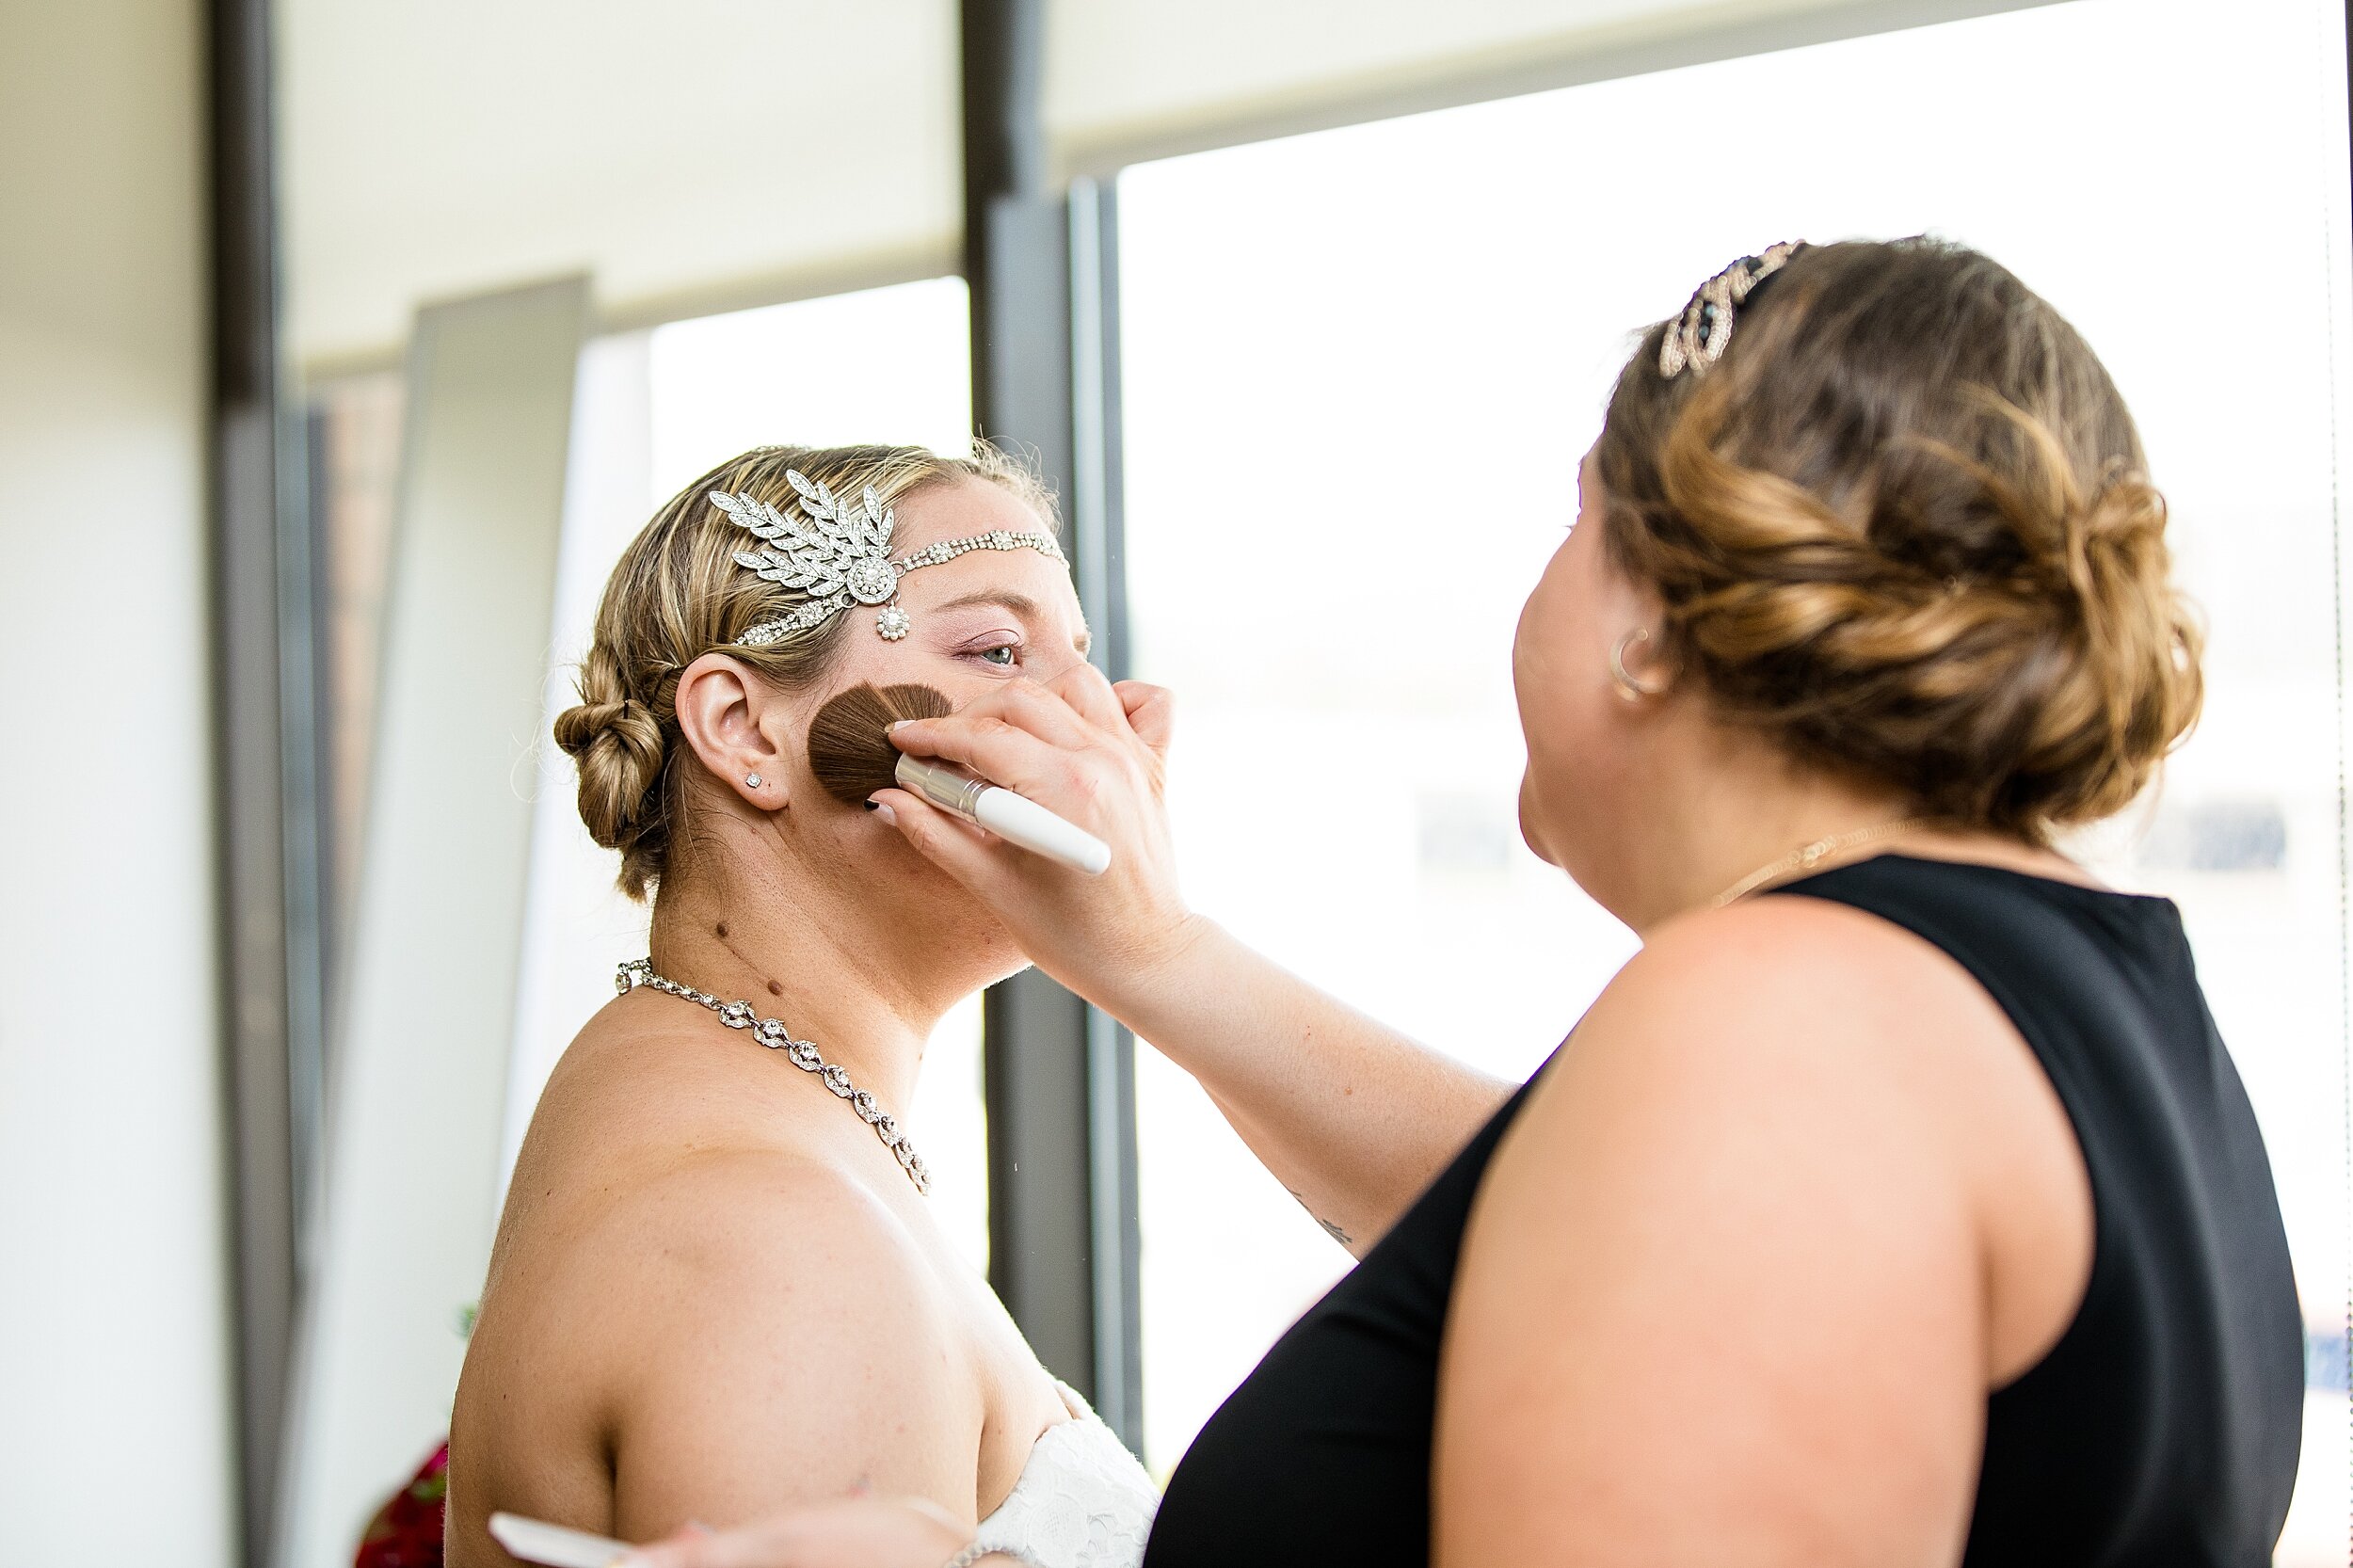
[(1134, 79), (709, 154), (692, 156), (115, 1381)]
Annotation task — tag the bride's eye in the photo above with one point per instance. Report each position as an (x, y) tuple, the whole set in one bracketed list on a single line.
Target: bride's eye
[(1003, 656)]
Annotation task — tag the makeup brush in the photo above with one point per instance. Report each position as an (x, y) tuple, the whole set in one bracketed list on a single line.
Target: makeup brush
[(851, 754), (536, 1541)]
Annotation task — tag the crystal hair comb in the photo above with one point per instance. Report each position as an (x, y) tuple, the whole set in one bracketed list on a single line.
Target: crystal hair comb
[(839, 553), (1699, 336)]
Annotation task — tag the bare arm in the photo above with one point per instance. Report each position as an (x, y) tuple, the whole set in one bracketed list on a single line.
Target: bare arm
[(1349, 1115), (1722, 1301), (769, 1340)]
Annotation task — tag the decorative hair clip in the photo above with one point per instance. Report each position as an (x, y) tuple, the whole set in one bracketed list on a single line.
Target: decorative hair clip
[(1698, 337), (841, 556)]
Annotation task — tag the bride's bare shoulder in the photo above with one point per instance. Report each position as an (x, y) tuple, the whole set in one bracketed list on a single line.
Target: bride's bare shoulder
[(654, 1150), (594, 1282), (636, 1072), (666, 1241), (639, 1089), (663, 1276)]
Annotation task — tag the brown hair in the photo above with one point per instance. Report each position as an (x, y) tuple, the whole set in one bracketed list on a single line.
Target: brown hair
[(1904, 526), (677, 593)]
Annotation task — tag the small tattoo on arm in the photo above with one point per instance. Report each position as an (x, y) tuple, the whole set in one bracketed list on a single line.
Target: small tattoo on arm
[(1328, 1228)]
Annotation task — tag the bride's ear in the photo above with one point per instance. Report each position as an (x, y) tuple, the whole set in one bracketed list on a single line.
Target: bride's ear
[(732, 722)]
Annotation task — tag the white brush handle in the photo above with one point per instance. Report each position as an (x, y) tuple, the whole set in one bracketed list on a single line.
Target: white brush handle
[(532, 1541), (1019, 820), (1015, 819)]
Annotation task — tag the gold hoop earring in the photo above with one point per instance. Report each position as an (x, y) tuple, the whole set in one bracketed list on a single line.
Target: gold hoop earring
[(1629, 688)]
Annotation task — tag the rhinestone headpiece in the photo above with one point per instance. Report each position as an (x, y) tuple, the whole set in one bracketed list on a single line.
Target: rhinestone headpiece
[(1698, 337), (838, 553)]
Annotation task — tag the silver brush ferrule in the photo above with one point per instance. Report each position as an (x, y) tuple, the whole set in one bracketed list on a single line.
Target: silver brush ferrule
[(943, 787)]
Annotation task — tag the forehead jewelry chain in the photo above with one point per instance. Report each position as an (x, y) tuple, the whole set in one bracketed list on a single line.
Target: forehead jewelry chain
[(770, 1033), (1806, 858)]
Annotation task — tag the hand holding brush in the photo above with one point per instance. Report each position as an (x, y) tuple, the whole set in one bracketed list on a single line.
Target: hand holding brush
[(1094, 754), (851, 757)]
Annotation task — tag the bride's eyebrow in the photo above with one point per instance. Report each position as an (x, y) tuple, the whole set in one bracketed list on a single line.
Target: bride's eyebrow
[(1021, 605)]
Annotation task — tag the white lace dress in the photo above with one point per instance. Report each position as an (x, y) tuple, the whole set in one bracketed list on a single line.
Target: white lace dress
[(1083, 1500)]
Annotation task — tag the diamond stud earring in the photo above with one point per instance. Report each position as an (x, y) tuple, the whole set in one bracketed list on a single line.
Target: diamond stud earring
[(752, 781)]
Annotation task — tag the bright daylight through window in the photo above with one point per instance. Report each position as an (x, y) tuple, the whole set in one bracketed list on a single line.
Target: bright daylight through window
[(1376, 355)]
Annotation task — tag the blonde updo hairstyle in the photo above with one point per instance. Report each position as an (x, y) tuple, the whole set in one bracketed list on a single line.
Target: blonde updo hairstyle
[(1904, 527), (680, 593)]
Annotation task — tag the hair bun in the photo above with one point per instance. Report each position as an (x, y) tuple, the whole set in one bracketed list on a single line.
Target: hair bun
[(1905, 527), (619, 746), (2123, 678)]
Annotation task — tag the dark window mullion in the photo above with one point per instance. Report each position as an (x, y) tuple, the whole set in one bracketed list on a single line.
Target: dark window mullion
[(1059, 1075), (1097, 526)]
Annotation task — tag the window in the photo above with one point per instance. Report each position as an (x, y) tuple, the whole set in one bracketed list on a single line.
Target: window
[(652, 411), (1360, 369)]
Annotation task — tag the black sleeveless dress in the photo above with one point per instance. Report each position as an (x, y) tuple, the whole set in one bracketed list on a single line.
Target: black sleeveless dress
[(2161, 1429)]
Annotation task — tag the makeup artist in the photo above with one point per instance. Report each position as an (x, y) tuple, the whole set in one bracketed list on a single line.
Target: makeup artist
[(1899, 1204)]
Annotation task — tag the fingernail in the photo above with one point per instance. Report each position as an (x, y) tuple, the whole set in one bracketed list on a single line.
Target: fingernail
[(897, 725), (884, 815)]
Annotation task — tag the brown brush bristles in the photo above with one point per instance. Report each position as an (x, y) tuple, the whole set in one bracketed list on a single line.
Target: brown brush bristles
[(849, 750)]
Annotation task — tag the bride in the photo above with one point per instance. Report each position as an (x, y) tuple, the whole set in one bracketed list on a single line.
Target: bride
[(716, 1291)]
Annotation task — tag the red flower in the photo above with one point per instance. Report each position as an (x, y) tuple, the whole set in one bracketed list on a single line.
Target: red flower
[(407, 1532)]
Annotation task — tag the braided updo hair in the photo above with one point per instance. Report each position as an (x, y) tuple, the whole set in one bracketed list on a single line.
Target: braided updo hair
[(679, 593), (1904, 526)]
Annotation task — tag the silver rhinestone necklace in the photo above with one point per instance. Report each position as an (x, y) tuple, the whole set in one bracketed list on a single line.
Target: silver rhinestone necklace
[(772, 1034)]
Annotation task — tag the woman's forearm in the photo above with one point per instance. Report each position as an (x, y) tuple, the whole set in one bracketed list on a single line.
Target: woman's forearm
[(1351, 1116)]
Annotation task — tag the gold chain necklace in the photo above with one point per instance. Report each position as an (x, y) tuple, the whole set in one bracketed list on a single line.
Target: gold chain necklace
[(801, 1053), (1810, 855)]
